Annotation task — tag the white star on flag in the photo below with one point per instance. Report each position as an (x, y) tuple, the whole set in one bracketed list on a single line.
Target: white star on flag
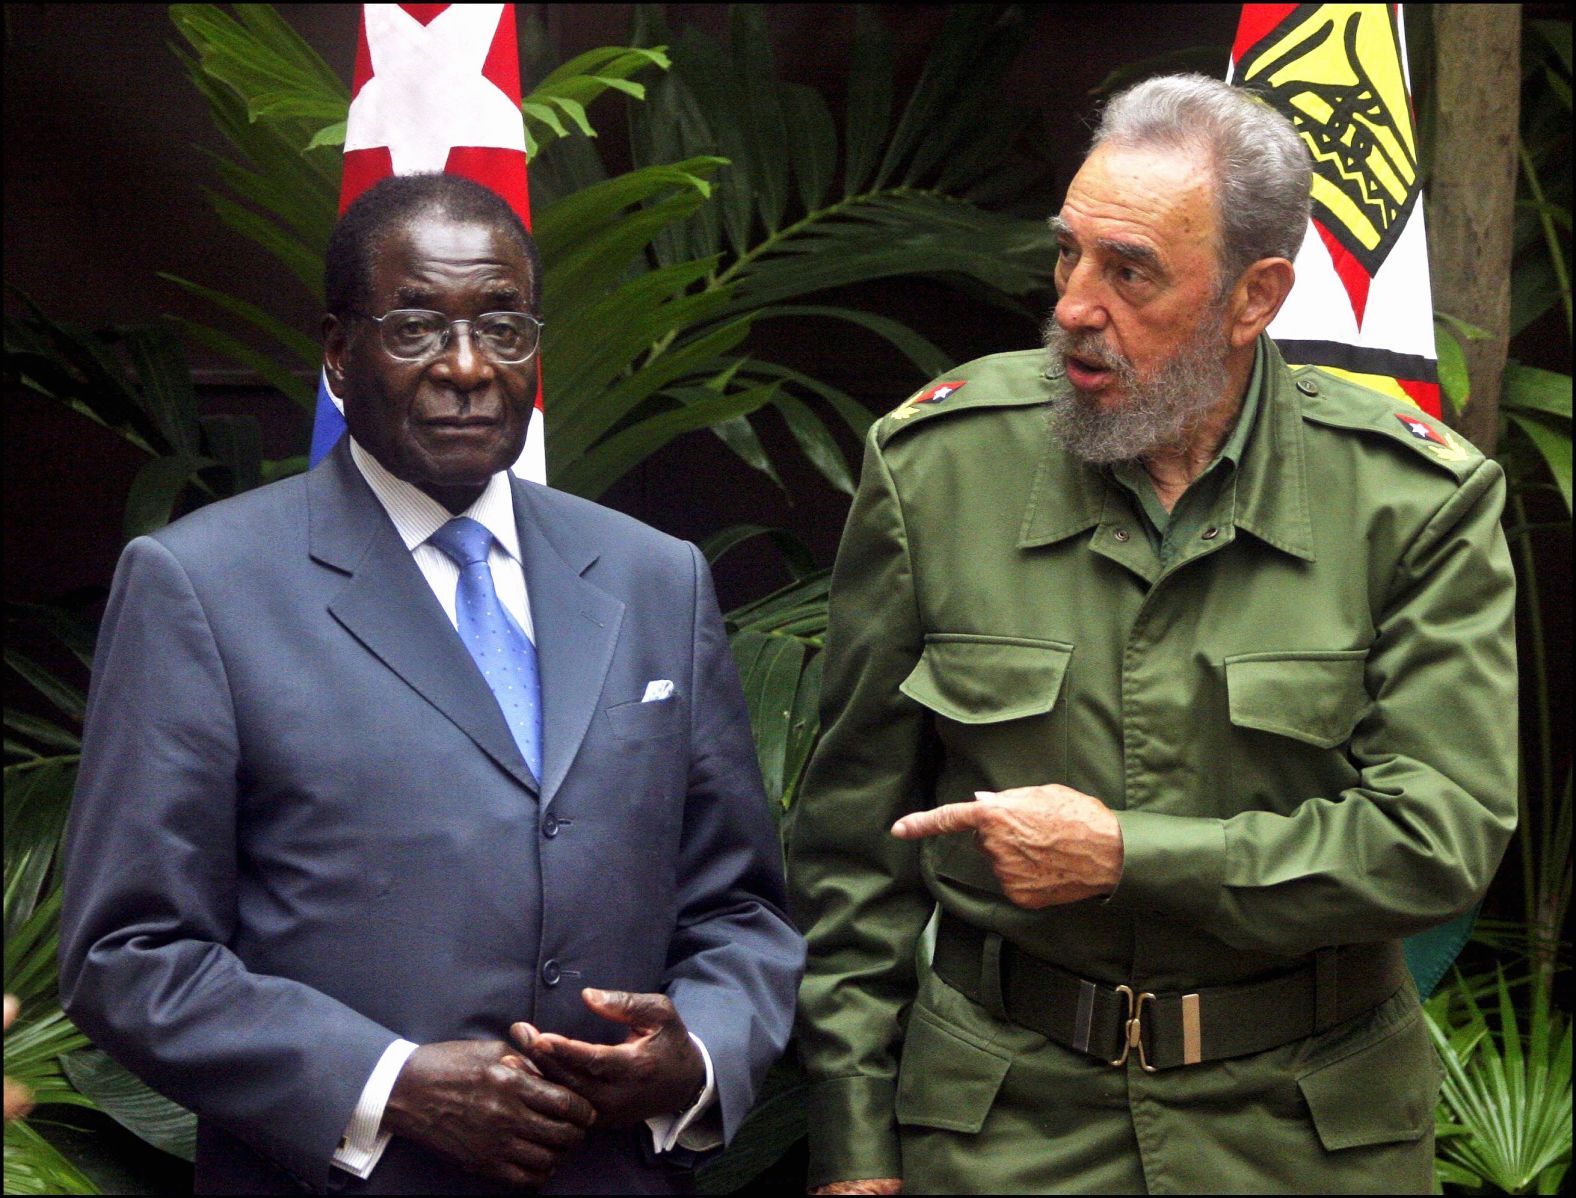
[(427, 93)]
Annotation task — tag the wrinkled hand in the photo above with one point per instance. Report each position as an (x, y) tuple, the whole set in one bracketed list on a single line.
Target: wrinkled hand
[(1046, 844), (464, 1099), (871, 1185), (657, 1070), (18, 1099)]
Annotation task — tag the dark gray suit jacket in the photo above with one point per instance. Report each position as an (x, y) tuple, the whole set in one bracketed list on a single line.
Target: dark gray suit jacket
[(303, 827)]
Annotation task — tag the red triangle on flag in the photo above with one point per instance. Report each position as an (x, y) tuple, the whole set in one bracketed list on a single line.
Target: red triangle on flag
[(425, 13), (1348, 269), (1256, 22)]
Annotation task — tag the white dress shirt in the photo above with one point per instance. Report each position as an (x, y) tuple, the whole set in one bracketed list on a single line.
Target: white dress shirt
[(416, 516)]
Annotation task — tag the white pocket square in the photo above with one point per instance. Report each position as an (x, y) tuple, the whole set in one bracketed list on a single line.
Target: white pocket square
[(657, 689)]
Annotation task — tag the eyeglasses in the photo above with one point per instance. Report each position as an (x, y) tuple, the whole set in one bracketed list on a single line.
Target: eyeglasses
[(416, 334)]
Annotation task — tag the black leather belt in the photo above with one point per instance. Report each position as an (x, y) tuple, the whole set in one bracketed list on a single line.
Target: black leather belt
[(1173, 1028)]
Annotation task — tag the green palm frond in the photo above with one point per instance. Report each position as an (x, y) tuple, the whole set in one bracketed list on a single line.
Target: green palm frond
[(34, 1166), (136, 382), (776, 642), (782, 232), (1505, 1111)]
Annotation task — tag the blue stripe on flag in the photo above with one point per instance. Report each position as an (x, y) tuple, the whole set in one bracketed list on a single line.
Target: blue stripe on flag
[(327, 424)]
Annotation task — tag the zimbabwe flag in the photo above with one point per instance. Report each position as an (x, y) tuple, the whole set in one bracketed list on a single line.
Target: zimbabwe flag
[(1361, 306)]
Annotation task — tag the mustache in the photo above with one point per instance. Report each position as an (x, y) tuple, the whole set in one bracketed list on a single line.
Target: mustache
[(1087, 347)]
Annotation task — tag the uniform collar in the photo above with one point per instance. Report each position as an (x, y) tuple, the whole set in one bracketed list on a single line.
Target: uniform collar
[(1272, 476), (1068, 496)]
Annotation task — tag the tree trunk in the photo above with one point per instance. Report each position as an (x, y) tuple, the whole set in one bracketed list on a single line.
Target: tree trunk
[(1472, 195)]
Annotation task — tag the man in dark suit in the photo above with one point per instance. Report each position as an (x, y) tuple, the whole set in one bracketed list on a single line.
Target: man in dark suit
[(393, 759)]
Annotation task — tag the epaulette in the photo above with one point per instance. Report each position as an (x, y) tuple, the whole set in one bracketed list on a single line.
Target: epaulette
[(1335, 402), (1015, 379)]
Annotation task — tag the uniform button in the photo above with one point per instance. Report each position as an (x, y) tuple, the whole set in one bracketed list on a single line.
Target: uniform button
[(1308, 386), (550, 827), (550, 972), (1209, 535), (1120, 534)]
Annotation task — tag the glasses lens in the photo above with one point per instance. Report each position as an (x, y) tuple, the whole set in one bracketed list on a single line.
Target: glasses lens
[(411, 333), (506, 336)]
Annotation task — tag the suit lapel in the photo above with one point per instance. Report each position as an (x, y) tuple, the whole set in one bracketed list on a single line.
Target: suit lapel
[(577, 626), (387, 605)]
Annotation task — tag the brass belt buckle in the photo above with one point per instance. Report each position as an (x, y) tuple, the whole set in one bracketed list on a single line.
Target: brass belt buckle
[(1134, 1037)]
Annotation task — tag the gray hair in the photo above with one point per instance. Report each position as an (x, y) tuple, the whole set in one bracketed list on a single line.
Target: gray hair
[(1262, 170)]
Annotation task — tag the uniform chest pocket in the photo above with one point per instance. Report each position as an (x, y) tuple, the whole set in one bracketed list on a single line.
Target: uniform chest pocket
[(987, 679), (1291, 716), (1314, 697), (1000, 714)]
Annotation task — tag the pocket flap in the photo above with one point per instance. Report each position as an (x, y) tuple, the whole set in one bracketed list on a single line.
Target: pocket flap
[(1316, 698), (642, 721), (947, 1078), (1381, 1094), (985, 680)]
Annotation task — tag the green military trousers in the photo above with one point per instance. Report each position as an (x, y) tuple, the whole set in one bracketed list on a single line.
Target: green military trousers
[(986, 1106)]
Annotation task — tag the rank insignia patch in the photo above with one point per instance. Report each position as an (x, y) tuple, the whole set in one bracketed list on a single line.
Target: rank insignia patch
[(1441, 442), (930, 395)]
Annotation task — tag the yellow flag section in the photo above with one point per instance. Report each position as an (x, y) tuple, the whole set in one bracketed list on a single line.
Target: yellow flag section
[(1361, 307)]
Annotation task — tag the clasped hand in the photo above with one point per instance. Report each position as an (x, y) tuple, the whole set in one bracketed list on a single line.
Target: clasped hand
[(512, 1113), (1046, 844), (657, 1070)]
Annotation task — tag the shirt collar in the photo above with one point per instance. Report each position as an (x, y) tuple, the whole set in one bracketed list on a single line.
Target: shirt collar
[(1231, 451), (417, 515), (1265, 446)]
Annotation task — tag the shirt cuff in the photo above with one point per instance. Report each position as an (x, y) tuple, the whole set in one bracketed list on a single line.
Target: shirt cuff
[(682, 1130), (1171, 864), (362, 1145)]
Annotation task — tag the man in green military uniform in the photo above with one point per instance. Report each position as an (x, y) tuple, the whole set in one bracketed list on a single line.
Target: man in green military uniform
[(1179, 686)]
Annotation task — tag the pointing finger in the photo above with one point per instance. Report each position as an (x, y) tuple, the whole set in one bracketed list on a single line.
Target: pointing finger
[(938, 821)]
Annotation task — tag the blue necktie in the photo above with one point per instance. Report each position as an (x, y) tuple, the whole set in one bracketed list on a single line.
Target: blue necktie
[(505, 655)]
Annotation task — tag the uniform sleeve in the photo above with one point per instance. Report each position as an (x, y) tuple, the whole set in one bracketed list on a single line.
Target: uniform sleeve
[(857, 890), (149, 900), (1417, 841)]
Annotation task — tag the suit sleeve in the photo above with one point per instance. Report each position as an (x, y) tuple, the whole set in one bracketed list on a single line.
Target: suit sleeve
[(857, 890), (735, 959), (1417, 841), (150, 872)]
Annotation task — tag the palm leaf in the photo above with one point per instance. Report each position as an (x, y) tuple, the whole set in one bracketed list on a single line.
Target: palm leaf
[(131, 1102), (34, 1166), (1506, 1100), (603, 465), (795, 552), (869, 100)]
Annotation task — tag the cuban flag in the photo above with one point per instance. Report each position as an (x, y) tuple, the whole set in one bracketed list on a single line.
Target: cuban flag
[(436, 88), (1361, 306)]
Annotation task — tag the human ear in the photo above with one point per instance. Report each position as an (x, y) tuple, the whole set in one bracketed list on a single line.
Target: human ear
[(1257, 297), (336, 343)]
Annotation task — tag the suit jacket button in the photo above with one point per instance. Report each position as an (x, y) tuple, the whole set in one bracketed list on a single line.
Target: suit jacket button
[(550, 827), (550, 972)]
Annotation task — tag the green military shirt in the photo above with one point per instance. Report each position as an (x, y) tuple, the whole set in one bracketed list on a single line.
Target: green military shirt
[(1302, 712)]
